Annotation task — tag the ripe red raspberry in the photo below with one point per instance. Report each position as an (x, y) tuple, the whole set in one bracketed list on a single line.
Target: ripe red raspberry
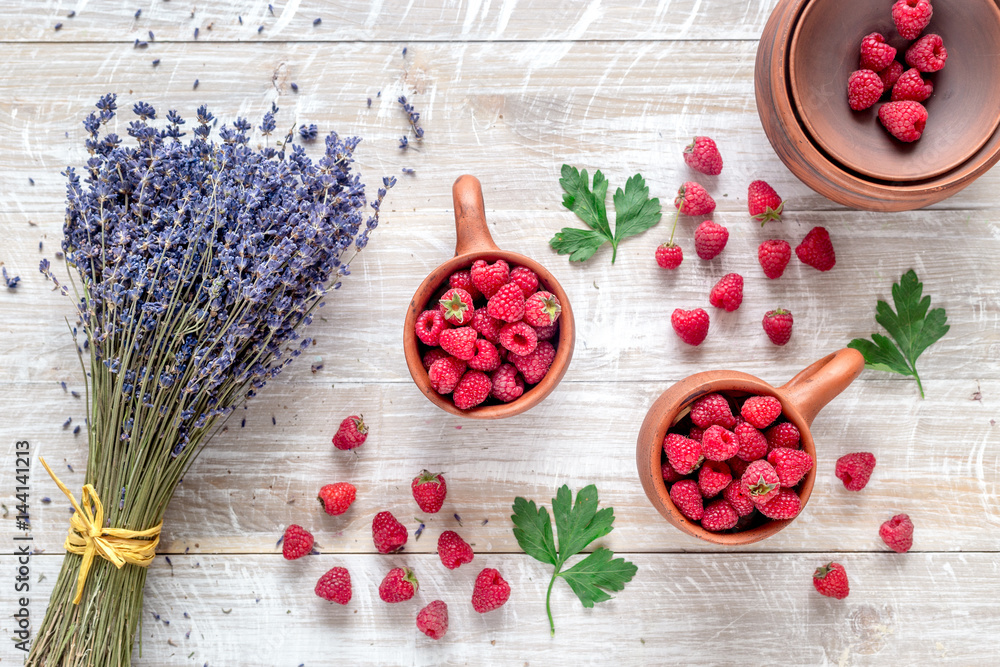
[(429, 490), (684, 454), (432, 356), (453, 550), (488, 327), (687, 499), (897, 533), (713, 477), (388, 534), (336, 498), (876, 55), (534, 365), (785, 505), (783, 435), (669, 255), (669, 474), (463, 279), (703, 155), (752, 443), (352, 433), (507, 303), (546, 333), (712, 409), (490, 591), (737, 496), (718, 444), (296, 543), (855, 469), (709, 239), (445, 373), (927, 54), (773, 256), (507, 384), (432, 620), (904, 119), (816, 249), (335, 586), (542, 309), (763, 202), (738, 466), (831, 580), (524, 278), (911, 17), (910, 86), (778, 325), (690, 325), (399, 585), (456, 306), (760, 482), (471, 390), (487, 358), (488, 278), (890, 75), (459, 343), (519, 338), (430, 324), (864, 87), (692, 199), (728, 292), (760, 411), (718, 516), (790, 464), (696, 433)]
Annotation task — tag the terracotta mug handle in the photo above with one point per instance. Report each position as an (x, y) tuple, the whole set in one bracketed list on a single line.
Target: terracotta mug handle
[(472, 234), (818, 384)]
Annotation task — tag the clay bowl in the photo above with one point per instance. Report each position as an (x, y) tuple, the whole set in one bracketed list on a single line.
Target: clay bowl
[(801, 399), (475, 242), (806, 157)]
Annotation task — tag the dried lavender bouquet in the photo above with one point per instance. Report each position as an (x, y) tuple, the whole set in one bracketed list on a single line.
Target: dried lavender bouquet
[(196, 264)]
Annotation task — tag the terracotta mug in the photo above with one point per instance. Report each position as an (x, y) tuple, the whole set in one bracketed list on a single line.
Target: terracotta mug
[(474, 242), (801, 399)]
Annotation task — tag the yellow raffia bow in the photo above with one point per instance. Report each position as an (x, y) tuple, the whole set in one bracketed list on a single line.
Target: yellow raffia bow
[(88, 536)]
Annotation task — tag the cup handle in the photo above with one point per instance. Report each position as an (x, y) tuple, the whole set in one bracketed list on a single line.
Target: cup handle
[(820, 382), (471, 232)]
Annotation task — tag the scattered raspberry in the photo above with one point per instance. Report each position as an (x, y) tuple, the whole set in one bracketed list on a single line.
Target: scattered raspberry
[(876, 55), (763, 202), (778, 325), (760, 411), (542, 309), (296, 543), (430, 324), (728, 292), (713, 477), (507, 384), (927, 54), (490, 592), (432, 620), (854, 470), (429, 490), (760, 481), (712, 409), (738, 497), (718, 444), (904, 119), (432, 356), (790, 464), (335, 586), (445, 373), (831, 580), (488, 327), (456, 306), (399, 585), (773, 256), (459, 343), (488, 278), (534, 365), (471, 390), (752, 443), (783, 435), (524, 278), (864, 87), (692, 199), (703, 155), (816, 249), (669, 474), (352, 433), (890, 75), (669, 255), (690, 325), (387, 533), (687, 498), (910, 86), (463, 279), (487, 358), (453, 550), (897, 533), (683, 453), (718, 516), (709, 239), (336, 498), (911, 17), (785, 505), (519, 338), (507, 303)]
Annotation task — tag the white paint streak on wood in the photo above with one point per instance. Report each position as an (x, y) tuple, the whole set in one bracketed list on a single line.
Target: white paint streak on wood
[(288, 10), (506, 11)]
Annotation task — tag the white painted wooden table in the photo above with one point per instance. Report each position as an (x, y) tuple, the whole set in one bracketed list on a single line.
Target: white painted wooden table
[(509, 91)]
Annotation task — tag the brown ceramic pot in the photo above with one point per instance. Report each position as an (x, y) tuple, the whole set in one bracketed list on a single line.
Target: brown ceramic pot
[(801, 399), (474, 242)]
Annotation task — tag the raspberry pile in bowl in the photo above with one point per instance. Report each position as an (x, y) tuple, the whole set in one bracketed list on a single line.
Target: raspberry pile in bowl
[(490, 335), (734, 463)]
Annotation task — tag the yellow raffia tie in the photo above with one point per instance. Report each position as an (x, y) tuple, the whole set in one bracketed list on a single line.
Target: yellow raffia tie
[(88, 536)]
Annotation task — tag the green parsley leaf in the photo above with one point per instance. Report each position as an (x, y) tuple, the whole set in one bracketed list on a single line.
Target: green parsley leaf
[(578, 524), (912, 327)]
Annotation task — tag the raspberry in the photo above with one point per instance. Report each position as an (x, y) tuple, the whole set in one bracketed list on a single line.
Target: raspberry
[(864, 87), (738, 466), (890, 75), (790, 464), (712, 409), (352, 433), (696, 433), (463, 279), (760, 411), (760, 481), (519, 338), (910, 86), (763, 202), (692, 199), (490, 591), (927, 54), (816, 249), (854, 470), (713, 477), (487, 358), (546, 333), (687, 499), (684, 454), (488, 327), (399, 585), (783, 435), (507, 384), (709, 239), (542, 309), (876, 55), (737, 496), (718, 444), (459, 343), (773, 256), (335, 586), (778, 325), (669, 255), (690, 325), (507, 303), (432, 356), (785, 505), (456, 306), (445, 374), (718, 516), (430, 324), (526, 279), (728, 292), (471, 390), (703, 155), (453, 550), (904, 119), (752, 443), (897, 533), (432, 620), (429, 490), (388, 534), (296, 543), (534, 365), (337, 498), (488, 278), (831, 580), (669, 474), (911, 17)]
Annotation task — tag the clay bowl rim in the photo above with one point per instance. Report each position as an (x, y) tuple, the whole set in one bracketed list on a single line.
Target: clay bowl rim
[(532, 397), (702, 384)]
